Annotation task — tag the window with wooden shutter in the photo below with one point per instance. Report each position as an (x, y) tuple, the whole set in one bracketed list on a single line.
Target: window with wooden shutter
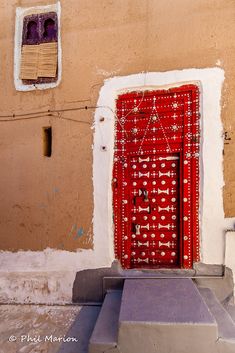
[(39, 52)]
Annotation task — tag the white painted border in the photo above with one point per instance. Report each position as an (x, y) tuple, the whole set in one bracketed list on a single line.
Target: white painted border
[(21, 12), (212, 222)]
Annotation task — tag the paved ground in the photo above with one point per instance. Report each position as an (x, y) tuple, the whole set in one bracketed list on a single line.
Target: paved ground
[(34, 328)]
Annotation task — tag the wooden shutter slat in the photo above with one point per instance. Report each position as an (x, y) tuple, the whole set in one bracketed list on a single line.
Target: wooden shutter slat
[(29, 62), (47, 62)]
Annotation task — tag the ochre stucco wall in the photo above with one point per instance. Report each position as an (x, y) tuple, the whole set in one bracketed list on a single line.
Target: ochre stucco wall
[(48, 202)]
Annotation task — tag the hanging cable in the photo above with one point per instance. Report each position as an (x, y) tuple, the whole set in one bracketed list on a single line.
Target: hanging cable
[(49, 111)]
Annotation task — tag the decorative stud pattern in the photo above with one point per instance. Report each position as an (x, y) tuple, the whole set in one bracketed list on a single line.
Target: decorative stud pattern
[(154, 131)]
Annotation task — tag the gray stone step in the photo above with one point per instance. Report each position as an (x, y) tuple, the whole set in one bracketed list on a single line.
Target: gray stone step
[(82, 329), (226, 326), (104, 336), (165, 315), (230, 308)]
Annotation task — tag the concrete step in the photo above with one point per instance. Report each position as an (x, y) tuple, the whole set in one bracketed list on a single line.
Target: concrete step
[(230, 308), (165, 315), (104, 336), (226, 326), (82, 329)]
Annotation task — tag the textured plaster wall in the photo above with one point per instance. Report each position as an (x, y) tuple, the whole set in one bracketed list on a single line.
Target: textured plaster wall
[(48, 202)]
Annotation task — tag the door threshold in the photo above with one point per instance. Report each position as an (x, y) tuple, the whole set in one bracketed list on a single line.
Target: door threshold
[(158, 271)]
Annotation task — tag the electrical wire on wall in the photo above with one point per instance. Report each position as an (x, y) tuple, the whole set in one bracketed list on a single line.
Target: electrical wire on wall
[(57, 113)]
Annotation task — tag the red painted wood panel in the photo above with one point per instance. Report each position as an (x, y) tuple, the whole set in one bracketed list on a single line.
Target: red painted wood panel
[(156, 178)]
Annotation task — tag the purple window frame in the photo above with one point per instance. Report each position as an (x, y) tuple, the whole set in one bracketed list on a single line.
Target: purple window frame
[(40, 21), (27, 20)]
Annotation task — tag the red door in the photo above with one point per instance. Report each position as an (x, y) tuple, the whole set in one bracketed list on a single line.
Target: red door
[(156, 178)]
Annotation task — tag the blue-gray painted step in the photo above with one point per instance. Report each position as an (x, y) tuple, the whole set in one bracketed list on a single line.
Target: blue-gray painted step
[(104, 336), (163, 300), (226, 326), (230, 308), (81, 329), (165, 315)]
